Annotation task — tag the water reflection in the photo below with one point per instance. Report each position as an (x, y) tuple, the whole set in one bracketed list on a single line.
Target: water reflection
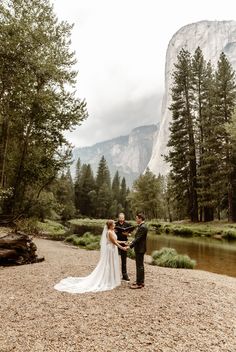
[(211, 255)]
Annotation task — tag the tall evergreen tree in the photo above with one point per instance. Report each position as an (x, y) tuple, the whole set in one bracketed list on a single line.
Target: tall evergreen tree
[(77, 184), (103, 174), (182, 155), (104, 198), (198, 80), (116, 187), (85, 191), (65, 195), (123, 191), (225, 105), (78, 170), (231, 129), (210, 177), (146, 195)]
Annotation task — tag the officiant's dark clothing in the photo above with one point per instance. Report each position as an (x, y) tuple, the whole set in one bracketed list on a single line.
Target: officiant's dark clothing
[(121, 237), (139, 245)]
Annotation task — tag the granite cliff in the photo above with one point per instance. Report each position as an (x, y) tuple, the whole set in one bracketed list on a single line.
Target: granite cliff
[(128, 154)]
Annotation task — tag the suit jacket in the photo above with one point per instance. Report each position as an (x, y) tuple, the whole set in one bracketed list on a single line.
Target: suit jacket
[(139, 242)]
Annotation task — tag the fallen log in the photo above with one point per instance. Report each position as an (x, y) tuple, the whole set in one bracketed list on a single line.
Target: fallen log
[(7, 253), (9, 220), (17, 248)]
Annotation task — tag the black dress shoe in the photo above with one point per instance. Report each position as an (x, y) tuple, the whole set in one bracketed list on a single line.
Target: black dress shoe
[(135, 283), (125, 277), (136, 286)]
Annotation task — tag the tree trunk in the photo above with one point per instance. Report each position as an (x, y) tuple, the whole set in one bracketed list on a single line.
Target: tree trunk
[(230, 201), (192, 161), (17, 248), (208, 214), (200, 214), (3, 150), (218, 213)]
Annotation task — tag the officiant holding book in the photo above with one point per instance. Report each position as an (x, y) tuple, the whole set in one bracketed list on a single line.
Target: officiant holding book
[(122, 229)]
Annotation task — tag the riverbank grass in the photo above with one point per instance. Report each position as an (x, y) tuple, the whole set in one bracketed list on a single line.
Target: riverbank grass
[(168, 257), (87, 241), (216, 229)]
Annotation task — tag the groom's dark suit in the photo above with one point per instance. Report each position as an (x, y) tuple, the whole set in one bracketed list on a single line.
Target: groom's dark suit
[(139, 245)]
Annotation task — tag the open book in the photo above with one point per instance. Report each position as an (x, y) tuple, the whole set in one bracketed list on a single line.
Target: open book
[(125, 229)]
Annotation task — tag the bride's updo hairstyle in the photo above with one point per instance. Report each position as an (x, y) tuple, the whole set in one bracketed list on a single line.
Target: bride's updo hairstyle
[(109, 223)]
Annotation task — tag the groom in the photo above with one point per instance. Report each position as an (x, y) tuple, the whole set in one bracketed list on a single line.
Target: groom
[(139, 245)]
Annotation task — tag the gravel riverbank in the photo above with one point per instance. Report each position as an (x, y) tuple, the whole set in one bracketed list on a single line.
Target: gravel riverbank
[(177, 311)]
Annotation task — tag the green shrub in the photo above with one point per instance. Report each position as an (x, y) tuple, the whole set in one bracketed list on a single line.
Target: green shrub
[(87, 241), (93, 246), (157, 227), (182, 231), (167, 229), (229, 234), (163, 251), (52, 229), (27, 225), (184, 261), (168, 257)]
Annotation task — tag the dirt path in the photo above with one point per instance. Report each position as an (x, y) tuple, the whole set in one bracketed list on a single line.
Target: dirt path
[(178, 310)]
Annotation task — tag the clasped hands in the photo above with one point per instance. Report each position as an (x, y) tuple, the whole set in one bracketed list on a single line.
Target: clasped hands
[(127, 245)]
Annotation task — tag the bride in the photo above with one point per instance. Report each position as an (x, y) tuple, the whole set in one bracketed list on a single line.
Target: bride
[(106, 275)]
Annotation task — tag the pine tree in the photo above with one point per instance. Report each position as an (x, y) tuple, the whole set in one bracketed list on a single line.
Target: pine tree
[(146, 195), (231, 129), (77, 183), (77, 170), (85, 191), (182, 155), (225, 104), (65, 195), (116, 187), (104, 198), (198, 80), (210, 178), (103, 174), (208, 175), (116, 206)]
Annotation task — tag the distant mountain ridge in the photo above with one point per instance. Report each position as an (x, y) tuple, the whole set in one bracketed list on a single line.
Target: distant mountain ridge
[(128, 154)]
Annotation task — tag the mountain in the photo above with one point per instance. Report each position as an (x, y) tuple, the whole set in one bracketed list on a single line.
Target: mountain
[(128, 154), (213, 37)]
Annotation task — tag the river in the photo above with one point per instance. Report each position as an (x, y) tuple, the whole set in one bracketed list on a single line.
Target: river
[(211, 255)]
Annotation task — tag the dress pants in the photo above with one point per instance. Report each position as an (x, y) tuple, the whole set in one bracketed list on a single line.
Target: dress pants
[(139, 258), (123, 255)]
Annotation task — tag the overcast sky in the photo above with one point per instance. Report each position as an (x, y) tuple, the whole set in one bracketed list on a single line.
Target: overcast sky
[(120, 46)]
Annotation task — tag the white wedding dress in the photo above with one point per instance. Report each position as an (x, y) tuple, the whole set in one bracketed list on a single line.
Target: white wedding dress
[(105, 276)]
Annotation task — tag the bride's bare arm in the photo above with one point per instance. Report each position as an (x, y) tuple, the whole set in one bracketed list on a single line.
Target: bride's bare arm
[(114, 241)]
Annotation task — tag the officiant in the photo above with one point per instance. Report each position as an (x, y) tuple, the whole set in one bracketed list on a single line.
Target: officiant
[(122, 235)]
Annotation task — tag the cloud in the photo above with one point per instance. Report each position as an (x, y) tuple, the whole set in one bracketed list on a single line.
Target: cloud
[(119, 120), (121, 47)]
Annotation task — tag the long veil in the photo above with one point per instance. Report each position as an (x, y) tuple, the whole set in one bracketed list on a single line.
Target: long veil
[(103, 241)]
